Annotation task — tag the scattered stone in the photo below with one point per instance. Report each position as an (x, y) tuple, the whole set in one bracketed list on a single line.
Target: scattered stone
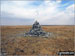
[(3, 52), (21, 50)]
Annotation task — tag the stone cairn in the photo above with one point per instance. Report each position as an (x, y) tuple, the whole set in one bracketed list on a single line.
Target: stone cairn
[(37, 31)]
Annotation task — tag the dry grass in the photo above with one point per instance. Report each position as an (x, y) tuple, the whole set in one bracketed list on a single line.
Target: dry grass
[(13, 44)]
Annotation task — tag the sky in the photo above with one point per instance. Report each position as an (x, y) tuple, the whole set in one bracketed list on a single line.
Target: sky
[(46, 12)]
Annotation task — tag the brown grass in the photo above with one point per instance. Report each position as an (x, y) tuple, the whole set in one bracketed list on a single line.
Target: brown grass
[(13, 44)]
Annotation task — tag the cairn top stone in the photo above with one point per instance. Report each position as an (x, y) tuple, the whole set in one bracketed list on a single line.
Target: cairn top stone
[(36, 25), (36, 30)]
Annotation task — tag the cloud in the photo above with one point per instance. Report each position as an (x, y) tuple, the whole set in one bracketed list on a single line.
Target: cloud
[(65, 17), (18, 10), (46, 12)]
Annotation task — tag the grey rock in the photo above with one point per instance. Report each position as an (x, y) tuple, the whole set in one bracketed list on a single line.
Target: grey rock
[(36, 30)]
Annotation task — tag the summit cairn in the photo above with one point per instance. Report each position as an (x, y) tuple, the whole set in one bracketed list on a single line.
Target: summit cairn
[(36, 31)]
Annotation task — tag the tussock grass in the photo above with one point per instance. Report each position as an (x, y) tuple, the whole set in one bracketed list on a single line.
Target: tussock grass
[(20, 45)]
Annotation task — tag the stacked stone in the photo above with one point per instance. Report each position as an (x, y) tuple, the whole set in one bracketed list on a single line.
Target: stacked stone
[(36, 30)]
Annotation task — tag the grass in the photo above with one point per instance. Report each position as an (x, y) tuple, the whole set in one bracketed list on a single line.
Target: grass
[(20, 45)]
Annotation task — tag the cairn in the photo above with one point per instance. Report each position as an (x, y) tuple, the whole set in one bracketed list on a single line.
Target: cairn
[(37, 31)]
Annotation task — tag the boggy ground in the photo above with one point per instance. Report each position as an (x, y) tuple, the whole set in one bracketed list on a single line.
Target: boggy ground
[(13, 41)]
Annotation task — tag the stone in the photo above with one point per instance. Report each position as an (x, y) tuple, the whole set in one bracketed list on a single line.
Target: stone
[(36, 30)]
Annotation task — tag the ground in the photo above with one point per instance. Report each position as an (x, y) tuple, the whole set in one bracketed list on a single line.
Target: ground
[(13, 41)]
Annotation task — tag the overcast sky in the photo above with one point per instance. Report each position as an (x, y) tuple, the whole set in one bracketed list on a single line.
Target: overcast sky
[(46, 12)]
